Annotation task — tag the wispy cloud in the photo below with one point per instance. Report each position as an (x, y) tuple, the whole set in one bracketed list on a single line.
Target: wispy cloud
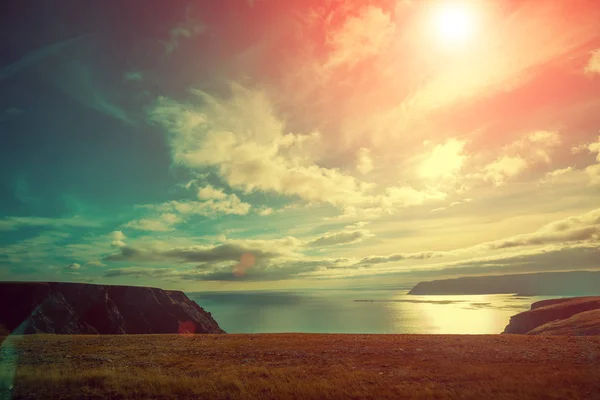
[(11, 223), (340, 238), (593, 65), (35, 57), (187, 28)]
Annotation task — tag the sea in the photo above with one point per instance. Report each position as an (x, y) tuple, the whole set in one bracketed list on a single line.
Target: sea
[(361, 311)]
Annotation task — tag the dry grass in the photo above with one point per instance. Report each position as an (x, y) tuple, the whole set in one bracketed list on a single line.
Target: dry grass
[(295, 366)]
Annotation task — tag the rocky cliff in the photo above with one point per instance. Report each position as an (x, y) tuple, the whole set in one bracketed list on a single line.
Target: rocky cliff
[(572, 283), (79, 308), (572, 316)]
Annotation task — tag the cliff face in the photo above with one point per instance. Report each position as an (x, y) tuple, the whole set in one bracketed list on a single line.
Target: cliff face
[(79, 308), (573, 283), (573, 316)]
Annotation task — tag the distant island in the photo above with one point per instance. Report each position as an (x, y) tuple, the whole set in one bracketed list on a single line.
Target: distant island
[(81, 308), (579, 316), (572, 283)]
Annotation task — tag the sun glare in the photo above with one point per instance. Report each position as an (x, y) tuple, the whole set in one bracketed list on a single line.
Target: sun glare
[(453, 23)]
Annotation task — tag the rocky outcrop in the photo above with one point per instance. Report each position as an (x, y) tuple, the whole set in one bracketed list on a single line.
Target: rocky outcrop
[(79, 308), (572, 283), (573, 316)]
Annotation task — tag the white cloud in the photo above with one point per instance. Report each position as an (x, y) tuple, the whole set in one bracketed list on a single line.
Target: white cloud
[(444, 160), (118, 239), (231, 250), (95, 263), (189, 27), (536, 146), (163, 223), (244, 140), (504, 168), (453, 204), (593, 171), (10, 223), (265, 211), (556, 174), (210, 193), (593, 65), (340, 238), (360, 37), (580, 228), (364, 163), (407, 196), (117, 235), (73, 267)]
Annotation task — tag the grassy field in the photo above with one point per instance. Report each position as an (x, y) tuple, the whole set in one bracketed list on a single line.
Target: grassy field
[(300, 366)]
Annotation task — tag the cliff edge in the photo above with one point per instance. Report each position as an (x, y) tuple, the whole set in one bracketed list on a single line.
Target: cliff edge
[(578, 316), (81, 308)]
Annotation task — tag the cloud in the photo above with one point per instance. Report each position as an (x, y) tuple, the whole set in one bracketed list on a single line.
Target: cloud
[(444, 160), (573, 231), (230, 204), (453, 204), (117, 239), (84, 84), (340, 238), (35, 56), (73, 267), (360, 37), (269, 270), (581, 228), (139, 272), (163, 223), (502, 62), (265, 270), (11, 223), (371, 260), (556, 258), (504, 168), (230, 251), (279, 259), (189, 27), (593, 171), (95, 263), (517, 157), (593, 65), (117, 235), (270, 260), (134, 76), (216, 202), (210, 193), (364, 163), (556, 174), (536, 146), (407, 196), (263, 212), (244, 141)]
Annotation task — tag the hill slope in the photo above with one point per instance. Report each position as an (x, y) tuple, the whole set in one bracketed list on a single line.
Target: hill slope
[(78, 308), (572, 283), (577, 316)]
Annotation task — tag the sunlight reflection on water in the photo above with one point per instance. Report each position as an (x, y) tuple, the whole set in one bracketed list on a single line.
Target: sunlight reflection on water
[(477, 314), (359, 311)]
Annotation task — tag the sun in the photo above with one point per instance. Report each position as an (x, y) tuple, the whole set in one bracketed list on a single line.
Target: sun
[(453, 23)]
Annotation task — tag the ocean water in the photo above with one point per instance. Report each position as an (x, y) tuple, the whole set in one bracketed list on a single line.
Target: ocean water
[(361, 311)]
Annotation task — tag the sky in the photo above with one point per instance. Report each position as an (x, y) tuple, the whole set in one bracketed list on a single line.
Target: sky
[(261, 145)]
